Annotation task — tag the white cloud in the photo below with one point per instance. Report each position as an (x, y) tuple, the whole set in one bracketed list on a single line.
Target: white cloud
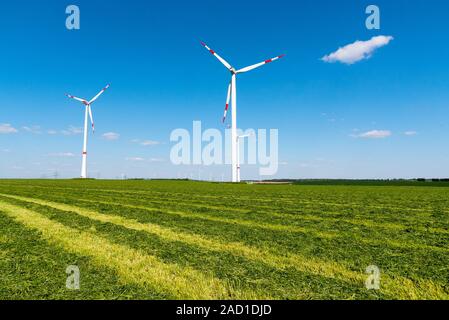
[(146, 143), (62, 154), (6, 128), (6, 150), (374, 134), (111, 136), (410, 133), (135, 159), (358, 50), (33, 129), (72, 131), (140, 159), (52, 132)]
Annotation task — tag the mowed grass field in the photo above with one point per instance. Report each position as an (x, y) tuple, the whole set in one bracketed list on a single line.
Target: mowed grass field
[(197, 240)]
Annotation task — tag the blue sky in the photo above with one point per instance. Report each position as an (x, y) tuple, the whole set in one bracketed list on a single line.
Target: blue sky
[(162, 79)]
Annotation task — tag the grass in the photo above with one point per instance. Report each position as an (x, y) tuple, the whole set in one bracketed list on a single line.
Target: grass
[(192, 240)]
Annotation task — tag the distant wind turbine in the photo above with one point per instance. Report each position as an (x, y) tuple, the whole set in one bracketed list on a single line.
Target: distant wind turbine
[(232, 95), (88, 113)]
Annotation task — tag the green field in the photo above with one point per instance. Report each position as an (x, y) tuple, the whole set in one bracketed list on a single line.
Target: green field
[(193, 240)]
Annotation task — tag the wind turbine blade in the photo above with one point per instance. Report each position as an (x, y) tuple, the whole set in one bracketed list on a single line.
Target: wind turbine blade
[(91, 118), (99, 94), (78, 99), (254, 66), (227, 102), (223, 61)]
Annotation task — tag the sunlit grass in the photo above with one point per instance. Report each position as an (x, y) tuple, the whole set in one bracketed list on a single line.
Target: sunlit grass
[(301, 242), (131, 265)]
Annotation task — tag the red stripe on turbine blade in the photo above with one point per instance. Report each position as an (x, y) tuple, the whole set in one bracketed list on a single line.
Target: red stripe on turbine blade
[(202, 43), (268, 61), (227, 106), (212, 51), (281, 56), (84, 153)]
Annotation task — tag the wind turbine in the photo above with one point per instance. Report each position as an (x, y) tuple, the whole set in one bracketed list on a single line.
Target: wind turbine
[(238, 153), (88, 113), (232, 97)]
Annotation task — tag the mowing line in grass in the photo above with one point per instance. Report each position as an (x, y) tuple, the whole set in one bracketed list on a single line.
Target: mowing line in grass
[(397, 287), (407, 245), (251, 207), (308, 217), (131, 265), (397, 226), (197, 240), (300, 216), (241, 272), (282, 199), (31, 268), (267, 226), (242, 222)]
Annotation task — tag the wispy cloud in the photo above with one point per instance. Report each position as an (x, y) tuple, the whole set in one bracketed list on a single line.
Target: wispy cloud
[(373, 134), (140, 159), (6, 128), (72, 131), (62, 154), (149, 143), (135, 159), (146, 143), (111, 136), (52, 132), (410, 133), (32, 129), (358, 50)]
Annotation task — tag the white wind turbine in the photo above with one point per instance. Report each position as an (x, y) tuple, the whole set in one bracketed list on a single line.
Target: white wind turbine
[(232, 93), (238, 154), (88, 113)]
